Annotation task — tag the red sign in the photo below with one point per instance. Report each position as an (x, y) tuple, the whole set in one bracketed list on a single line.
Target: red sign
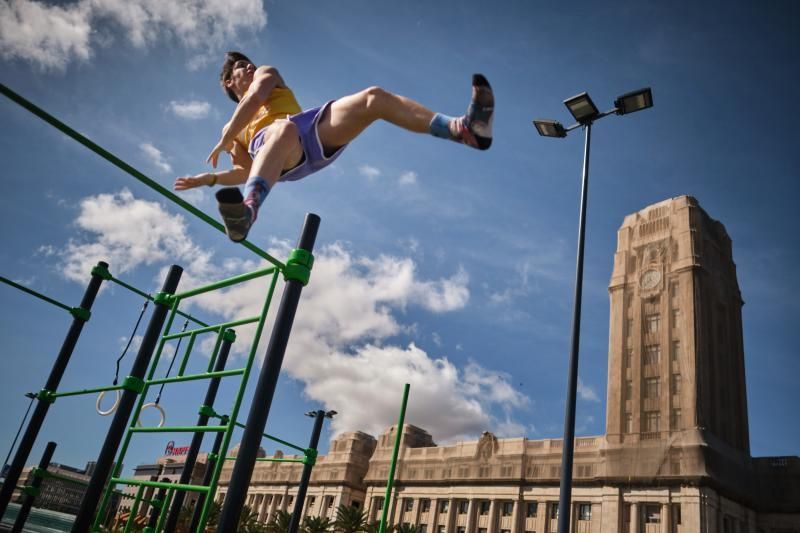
[(172, 450)]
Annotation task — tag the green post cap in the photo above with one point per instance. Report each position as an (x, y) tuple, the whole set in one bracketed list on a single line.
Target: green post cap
[(164, 298), (101, 271), (31, 491), (311, 457), (298, 266), (45, 395), (229, 335), (134, 384), (207, 410)]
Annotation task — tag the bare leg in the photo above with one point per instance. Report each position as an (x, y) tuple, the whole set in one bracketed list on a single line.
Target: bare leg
[(349, 116)]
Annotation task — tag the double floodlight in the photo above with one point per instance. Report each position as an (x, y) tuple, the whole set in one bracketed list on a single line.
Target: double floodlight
[(585, 112), (329, 414)]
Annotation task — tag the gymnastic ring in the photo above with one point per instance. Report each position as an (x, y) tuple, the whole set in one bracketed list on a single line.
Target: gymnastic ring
[(157, 407), (113, 407)]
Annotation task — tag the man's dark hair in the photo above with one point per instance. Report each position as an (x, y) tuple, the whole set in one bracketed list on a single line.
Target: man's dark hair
[(227, 71)]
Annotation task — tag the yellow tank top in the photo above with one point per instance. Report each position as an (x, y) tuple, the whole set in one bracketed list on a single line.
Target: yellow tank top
[(281, 103)]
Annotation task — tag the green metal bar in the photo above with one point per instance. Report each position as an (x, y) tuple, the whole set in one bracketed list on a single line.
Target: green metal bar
[(162, 515), (149, 297), (215, 352), (134, 510), (86, 391), (241, 278), (158, 484), (193, 377), (276, 439), (178, 429), (37, 294), (187, 352), (223, 451), (111, 158), (390, 483), (224, 325)]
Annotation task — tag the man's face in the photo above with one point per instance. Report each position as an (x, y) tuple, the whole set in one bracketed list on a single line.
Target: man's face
[(241, 77)]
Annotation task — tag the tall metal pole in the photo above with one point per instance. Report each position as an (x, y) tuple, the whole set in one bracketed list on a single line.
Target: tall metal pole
[(213, 457), (565, 494), (319, 418), (197, 439), (390, 482), (265, 389), (116, 431), (81, 315), (27, 503)]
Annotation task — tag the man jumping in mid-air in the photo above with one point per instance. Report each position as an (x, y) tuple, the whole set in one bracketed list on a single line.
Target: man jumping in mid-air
[(270, 139)]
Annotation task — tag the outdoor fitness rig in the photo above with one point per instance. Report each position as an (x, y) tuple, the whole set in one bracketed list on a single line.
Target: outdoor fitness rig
[(296, 272)]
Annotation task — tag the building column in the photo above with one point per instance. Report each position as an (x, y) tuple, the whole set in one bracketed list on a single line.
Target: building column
[(515, 514), (634, 517), (417, 510), (435, 514), (492, 517), (666, 518), (264, 511), (396, 510), (542, 517), (471, 519), (451, 514)]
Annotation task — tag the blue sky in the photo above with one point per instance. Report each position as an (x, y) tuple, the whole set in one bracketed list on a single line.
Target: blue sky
[(438, 265)]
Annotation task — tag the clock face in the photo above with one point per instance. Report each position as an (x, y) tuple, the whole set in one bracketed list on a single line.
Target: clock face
[(650, 279)]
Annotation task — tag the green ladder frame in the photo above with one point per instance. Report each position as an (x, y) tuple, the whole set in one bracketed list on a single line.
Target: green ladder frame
[(228, 423)]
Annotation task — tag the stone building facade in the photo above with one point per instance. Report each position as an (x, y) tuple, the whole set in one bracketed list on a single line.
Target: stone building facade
[(675, 457)]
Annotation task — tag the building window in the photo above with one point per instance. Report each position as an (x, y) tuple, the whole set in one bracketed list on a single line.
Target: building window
[(506, 470), (422, 528), (508, 508), (429, 473), (425, 505), (378, 503), (676, 383), (444, 505), (481, 530), (554, 511), (531, 509), (676, 419), (676, 350), (652, 514), (652, 354), (461, 529), (676, 513), (584, 511), (412, 473), (628, 389), (652, 323), (485, 505), (313, 499), (441, 529), (676, 317), (628, 357), (463, 471), (652, 420), (505, 531), (463, 506), (628, 428), (483, 471), (408, 504), (652, 388)]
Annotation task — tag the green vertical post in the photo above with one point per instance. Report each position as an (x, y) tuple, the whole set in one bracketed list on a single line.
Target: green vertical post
[(390, 483)]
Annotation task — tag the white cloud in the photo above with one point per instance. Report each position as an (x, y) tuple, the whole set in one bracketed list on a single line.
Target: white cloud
[(344, 346), (51, 36), (369, 172), (191, 110), (587, 393), (155, 156), (408, 178)]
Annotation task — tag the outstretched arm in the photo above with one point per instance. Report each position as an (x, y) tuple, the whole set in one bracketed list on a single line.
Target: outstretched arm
[(265, 79), (235, 176)]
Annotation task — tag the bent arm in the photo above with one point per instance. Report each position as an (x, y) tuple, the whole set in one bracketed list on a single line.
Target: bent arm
[(237, 175), (265, 79)]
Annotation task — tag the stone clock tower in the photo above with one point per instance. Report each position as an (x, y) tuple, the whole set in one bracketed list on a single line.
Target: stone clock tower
[(676, 360)]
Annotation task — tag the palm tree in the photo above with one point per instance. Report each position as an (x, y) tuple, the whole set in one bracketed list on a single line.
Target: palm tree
[(316, 524), (279, 522), (248, 520), (350, 519), (405, 528)]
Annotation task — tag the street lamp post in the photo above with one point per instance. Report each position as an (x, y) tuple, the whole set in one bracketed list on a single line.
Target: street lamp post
[(585, 113)]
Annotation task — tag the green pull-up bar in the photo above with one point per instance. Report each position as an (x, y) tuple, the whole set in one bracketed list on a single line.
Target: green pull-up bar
[(111, 158)]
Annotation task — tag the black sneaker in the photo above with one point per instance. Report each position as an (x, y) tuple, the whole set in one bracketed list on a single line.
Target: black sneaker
[(236, 216)]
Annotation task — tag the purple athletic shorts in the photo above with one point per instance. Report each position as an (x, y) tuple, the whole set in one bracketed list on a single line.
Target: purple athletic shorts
[(313, 155)]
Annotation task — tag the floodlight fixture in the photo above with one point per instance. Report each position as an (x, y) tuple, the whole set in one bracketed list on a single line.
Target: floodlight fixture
[(582, 108), (549, 128), (331, 414), (634, 101)]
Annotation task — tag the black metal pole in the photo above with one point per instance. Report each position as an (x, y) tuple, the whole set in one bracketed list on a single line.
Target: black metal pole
[(56, 373), (155, 512), (319, 418), (265, 389), (116, 431), (197, 439), (210, 462), (27, 503), (565, 494)]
